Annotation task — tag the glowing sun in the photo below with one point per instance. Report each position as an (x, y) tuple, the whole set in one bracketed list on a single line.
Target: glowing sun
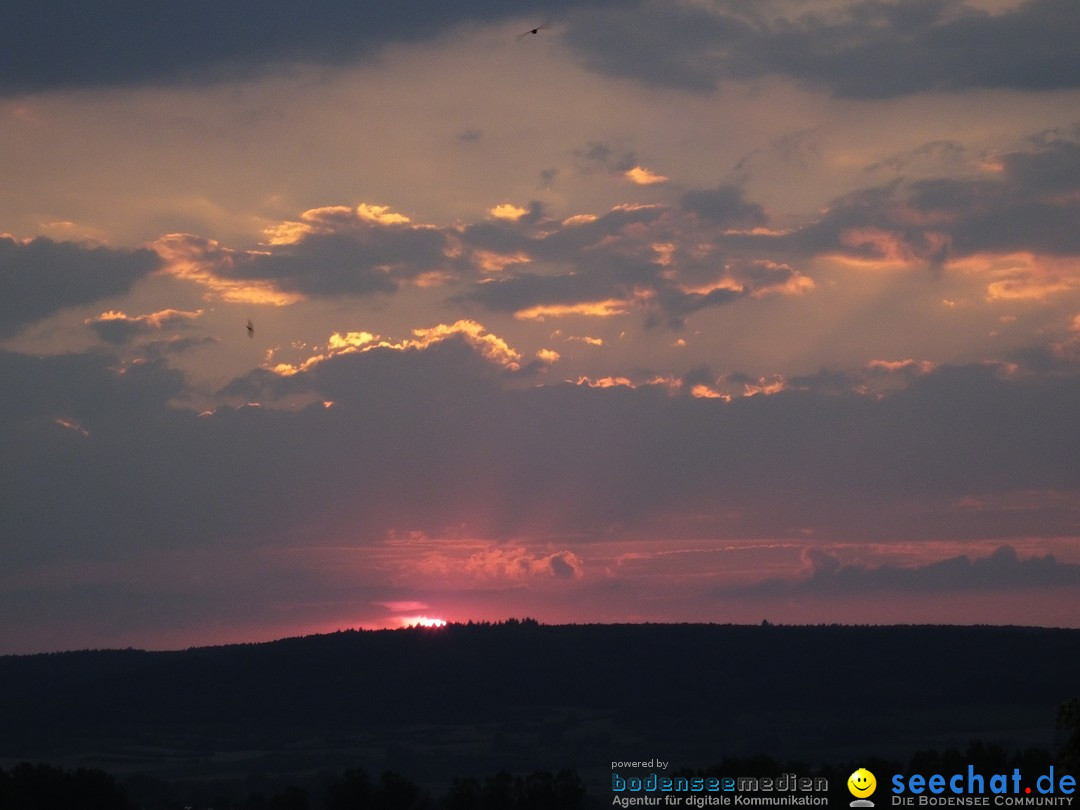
[(421, 621)]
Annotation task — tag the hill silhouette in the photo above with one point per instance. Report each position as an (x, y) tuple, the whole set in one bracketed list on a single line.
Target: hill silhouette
[(518, 695)]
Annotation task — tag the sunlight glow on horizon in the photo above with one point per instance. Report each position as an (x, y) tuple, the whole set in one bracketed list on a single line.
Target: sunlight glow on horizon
[(420, 621)]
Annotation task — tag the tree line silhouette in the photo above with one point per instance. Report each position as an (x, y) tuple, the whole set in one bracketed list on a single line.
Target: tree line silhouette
[(46, 787)]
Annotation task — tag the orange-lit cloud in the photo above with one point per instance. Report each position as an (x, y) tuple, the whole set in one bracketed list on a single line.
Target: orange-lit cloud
[(491, 262), (589, 341), (702, 391), (1026, 288), (193, 259), (605, 382), (644, 177), (765, 385), (380, 215), (154, 320), (508, 211), (579, 219), (314, 220), (488, 345), (595, 309), (1017, 276), (351, 340), (891, 249)]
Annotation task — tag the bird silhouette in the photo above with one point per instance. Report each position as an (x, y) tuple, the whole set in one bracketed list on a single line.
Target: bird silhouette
[(250, 328), (536, 30)]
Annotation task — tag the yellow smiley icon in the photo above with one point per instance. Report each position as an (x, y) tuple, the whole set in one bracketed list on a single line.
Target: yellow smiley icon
[(861, 783)]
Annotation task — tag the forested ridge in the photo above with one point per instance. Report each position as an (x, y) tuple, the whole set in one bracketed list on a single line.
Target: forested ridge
[(446, 705)]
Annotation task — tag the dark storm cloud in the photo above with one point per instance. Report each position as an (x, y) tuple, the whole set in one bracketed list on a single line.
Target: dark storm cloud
[(863, 50), (1000, 570), (52, 44), (42, 277)]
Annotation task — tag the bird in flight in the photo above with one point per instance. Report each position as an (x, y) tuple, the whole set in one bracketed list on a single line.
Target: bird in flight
[(536, 30), (250, 328)]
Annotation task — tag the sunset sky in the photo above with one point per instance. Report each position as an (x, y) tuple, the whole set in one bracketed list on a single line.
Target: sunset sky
[(676, 310)]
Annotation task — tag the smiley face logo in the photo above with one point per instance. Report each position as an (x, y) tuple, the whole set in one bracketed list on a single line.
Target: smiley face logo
[(861, 783)]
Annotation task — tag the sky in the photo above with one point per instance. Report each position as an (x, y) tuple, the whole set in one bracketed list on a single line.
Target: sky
[(671, 311)]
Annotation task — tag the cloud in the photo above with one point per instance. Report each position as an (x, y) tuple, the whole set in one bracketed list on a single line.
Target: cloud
[(714, 246), (119, 328), (489, 346), (209, 264), (866, 50), (40, 277), (503, 563), (123, 42), (450, 442), (670, 44), (330, 251), (598, 156), (437, 434), (508, 211), (338, 250), (1001, 570), (668, 262), (401, 606), (1026, 202), (665, 262), (645, 177), (725, 206)]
